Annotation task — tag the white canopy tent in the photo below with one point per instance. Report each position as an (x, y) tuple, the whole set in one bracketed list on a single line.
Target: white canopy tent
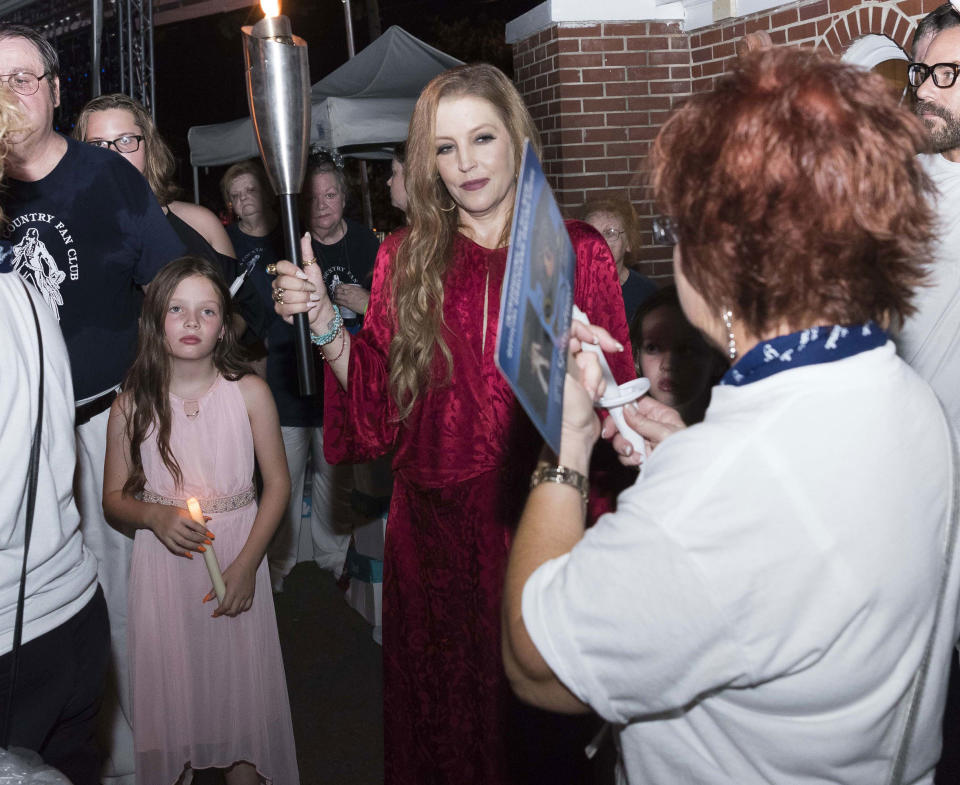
[(359, 109)]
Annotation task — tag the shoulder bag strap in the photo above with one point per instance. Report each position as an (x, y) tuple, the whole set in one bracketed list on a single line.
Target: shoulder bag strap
[(28, 528)]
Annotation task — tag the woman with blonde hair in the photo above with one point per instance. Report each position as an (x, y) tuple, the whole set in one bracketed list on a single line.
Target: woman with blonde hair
[(419, 381), (121, 123)]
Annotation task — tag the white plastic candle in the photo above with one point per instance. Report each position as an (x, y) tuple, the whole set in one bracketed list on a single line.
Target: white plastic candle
[(209, 557)]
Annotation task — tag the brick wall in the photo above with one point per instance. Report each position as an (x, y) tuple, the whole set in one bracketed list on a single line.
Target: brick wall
[(600, 92)]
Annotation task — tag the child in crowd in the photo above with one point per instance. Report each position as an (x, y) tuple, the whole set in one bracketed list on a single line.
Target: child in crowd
[(208, 688), (671, 353)]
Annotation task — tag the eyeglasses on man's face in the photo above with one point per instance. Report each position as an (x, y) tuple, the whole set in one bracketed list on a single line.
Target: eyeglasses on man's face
[(664, 232), (22, 82), (128, 143), (944, 74)]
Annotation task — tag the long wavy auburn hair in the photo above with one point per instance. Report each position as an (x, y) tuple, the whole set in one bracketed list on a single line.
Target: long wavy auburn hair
[(426, 251), (159, 163), (148, 380)]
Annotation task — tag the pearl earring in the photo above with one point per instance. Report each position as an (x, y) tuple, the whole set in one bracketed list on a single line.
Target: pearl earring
[(727, 316)]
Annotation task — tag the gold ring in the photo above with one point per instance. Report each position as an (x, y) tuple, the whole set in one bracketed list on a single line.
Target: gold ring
[(308, 262), (271, 269), (278, 295)]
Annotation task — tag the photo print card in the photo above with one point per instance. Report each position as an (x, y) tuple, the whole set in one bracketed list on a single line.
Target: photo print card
[(536, 302)]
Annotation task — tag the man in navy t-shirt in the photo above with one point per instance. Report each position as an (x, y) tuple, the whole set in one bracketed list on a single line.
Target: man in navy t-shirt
[(87, 232)]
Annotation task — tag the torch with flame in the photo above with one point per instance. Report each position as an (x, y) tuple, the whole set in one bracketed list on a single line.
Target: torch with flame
[(278, 92)]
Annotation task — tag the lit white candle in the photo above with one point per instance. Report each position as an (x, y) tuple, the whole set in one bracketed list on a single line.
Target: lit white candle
[(209, 557)]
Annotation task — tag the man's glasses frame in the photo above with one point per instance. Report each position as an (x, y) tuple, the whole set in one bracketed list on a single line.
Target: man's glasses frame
[(23, 82), (944, 74), (128, 143)]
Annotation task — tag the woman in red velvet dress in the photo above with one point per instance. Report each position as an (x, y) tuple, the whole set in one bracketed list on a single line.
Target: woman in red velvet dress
[(419, 380)]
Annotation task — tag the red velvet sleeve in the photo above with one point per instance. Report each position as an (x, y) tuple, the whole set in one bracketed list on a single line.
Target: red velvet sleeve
[(360, 423), (598, 294)]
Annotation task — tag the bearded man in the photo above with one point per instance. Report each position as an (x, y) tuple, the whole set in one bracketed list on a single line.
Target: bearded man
[(930, 340)]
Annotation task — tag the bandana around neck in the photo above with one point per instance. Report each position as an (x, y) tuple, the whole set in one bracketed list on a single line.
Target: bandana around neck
[(807, 347)]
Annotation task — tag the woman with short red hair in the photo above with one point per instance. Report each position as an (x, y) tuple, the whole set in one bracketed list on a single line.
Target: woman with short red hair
[(762, 606)]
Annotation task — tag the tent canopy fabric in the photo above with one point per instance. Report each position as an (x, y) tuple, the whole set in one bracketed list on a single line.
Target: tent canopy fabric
[(359, 108)]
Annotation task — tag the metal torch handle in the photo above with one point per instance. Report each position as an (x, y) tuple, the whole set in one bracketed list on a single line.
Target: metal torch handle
[(306, 372)]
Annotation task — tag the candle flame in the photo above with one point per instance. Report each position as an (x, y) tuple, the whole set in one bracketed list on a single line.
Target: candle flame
[(270, 7), (195, 512)]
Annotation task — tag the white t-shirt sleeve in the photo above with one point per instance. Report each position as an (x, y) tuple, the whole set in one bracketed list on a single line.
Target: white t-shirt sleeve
[(627, 622)]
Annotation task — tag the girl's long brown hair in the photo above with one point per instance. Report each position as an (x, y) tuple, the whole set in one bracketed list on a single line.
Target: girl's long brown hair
[(148, 381), (426, 252)]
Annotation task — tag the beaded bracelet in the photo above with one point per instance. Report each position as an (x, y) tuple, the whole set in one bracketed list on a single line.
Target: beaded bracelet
[(335, 327)]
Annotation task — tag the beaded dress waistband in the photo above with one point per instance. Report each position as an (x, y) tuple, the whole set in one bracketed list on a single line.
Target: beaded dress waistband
[(214, 505)]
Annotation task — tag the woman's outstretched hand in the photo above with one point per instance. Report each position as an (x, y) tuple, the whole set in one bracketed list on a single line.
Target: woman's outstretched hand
[(653, 420), (303, 291), (584, 385)]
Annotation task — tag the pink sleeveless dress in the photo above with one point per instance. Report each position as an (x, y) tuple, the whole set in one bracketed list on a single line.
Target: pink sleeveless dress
[(206, 692)]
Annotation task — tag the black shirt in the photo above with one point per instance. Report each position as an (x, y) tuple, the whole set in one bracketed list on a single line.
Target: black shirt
[(87, 236), (349, 260)]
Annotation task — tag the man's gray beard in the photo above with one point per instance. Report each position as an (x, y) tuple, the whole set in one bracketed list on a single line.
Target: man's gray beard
[(941, 137)]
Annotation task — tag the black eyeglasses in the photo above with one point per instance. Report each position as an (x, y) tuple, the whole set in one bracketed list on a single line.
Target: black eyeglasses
[(128, 143), (664, 232), (22, 82), (944, 74)]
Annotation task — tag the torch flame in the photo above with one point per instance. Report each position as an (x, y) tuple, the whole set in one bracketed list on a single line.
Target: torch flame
[(195, 512), (270, 7)]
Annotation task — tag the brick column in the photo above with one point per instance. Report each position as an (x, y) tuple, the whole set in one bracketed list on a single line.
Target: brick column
[(598, 94)]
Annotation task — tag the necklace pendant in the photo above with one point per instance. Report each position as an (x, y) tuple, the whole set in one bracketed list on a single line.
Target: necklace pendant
[(191, 409)]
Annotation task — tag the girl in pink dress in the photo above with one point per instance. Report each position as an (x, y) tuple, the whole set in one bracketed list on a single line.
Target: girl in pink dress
[(208, 683)]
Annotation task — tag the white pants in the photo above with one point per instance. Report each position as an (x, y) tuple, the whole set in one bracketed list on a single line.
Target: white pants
[(113, 551), (331, 519)]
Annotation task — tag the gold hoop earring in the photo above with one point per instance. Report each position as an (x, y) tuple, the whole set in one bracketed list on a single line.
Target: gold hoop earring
[(451, 208)]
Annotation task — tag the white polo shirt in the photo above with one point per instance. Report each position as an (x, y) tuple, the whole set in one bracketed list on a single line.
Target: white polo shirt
[(61, 573), (757, 607), (930, 339)]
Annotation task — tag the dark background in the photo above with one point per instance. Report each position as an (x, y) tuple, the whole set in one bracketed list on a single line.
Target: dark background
[(199, 66)]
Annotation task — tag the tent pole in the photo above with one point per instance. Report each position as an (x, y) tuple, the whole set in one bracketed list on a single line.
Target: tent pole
[(365, 193), (96, 39), (364, 179), (196, 185)]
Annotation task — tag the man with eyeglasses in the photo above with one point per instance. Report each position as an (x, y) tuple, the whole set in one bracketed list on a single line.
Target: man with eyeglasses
[(930, 340), (88, 233)]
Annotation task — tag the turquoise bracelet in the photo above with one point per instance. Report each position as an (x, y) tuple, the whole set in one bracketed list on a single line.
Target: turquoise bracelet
[(334, 331)]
